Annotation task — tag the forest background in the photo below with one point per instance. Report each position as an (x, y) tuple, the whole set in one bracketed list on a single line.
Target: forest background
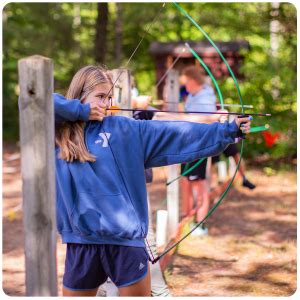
[(77, 34)]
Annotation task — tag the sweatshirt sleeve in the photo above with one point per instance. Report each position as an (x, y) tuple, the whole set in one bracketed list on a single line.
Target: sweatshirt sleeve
[(172, 142), (69, 110)]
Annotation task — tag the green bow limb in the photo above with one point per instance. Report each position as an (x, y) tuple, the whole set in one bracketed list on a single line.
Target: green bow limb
[(235, 83), (221, 101), (212, 210), (208, 72), (216, 48), (187, 171)]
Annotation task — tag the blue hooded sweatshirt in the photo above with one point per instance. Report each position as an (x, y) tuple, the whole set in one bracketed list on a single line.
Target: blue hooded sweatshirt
[(105, 202)]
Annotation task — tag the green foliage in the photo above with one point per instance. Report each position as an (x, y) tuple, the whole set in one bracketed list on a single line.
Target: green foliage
[(65, 32)]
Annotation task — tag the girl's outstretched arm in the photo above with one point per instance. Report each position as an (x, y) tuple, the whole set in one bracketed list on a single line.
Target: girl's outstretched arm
[(166, 143)]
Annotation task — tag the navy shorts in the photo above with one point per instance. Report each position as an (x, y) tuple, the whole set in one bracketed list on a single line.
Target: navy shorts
[(231, 150), (88, 266), (199, 173)]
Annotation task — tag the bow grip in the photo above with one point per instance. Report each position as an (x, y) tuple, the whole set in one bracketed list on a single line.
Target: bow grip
[(240, 134)]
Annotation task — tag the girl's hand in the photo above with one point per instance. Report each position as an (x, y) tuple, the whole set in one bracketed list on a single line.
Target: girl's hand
[(141, 102), (97, 111), (245, 128)]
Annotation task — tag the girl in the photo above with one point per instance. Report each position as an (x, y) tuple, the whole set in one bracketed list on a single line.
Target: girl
[(101, 191)]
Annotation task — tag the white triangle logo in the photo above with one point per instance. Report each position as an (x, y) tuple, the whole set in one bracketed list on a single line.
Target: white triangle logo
[(141, 266)]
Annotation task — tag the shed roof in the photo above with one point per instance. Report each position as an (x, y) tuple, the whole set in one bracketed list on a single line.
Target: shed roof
[(175, 48)]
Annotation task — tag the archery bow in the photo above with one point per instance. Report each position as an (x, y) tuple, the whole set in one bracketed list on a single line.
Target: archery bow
[(153, 260), (115, 108), (242, 144)]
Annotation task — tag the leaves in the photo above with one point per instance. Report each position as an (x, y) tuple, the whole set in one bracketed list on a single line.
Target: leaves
[(66, 32)]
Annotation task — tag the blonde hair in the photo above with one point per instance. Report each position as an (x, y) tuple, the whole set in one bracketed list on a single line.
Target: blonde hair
[(70, 135)]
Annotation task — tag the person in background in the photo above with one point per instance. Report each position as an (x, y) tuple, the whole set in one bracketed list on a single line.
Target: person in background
[(195, 183), (202, 97), (232, 150)]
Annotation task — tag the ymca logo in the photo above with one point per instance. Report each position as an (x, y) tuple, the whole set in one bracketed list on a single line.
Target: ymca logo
[(104, 137)]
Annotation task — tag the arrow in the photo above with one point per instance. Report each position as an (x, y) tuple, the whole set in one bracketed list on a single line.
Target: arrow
[(116, 109)]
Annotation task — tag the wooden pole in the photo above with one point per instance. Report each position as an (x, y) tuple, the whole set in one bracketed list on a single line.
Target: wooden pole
[(122, 90), (222, 171), (208, 172), (161, 228), (38, 174), (172, 95)]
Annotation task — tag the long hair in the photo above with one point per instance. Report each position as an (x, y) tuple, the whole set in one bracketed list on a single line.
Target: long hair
[(70, 135)]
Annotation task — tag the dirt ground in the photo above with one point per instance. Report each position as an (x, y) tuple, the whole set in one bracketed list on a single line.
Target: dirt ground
[(250, 250)]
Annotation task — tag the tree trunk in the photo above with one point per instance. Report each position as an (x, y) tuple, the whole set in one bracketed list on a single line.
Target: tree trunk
[(274, 46), (101, 32), (118, 46)]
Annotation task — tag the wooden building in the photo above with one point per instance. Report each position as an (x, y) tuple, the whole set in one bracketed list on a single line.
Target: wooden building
[(165, 55)]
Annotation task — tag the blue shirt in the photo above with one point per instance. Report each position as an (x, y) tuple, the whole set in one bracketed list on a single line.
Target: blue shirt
[(105, 202), (204, 100)]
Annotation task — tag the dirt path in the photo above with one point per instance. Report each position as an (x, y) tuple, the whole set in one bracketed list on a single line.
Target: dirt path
[(251, 249), (13, 262)]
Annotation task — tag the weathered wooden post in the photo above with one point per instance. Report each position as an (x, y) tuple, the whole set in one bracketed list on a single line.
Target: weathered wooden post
[(161, 228), (208, 171), (232, 166), (122, 89), (222, 171), (172, 95), (38, 174)]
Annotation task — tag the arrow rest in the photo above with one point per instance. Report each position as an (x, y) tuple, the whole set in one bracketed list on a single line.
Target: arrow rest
[(114, 109)]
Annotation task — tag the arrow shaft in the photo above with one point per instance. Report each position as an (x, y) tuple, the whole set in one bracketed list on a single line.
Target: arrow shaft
[(189, 112)]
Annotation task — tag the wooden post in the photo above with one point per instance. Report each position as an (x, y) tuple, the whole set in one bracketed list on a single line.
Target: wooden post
[(222, 171), (38, 174), (172, 95), (208, 172), (122, 90), (161, 228), (232, 166)]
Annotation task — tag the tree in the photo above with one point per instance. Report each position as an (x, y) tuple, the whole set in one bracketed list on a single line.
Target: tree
[(101, 32), (118, 39)]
